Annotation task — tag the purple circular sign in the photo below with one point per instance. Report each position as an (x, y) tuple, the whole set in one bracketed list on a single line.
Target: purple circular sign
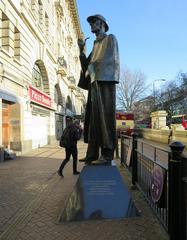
[(157, 181)]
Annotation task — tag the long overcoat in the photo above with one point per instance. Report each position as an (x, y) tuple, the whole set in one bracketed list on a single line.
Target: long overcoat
[(101, 69)]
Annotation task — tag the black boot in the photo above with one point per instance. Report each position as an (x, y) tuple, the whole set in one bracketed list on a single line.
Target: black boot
[(76, 172), (60, 173)]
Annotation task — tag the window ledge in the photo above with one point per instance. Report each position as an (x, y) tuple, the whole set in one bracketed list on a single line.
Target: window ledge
[(17, 61), (5, 52)]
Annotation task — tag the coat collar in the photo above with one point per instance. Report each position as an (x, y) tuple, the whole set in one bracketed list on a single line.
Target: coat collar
[(100, 37)]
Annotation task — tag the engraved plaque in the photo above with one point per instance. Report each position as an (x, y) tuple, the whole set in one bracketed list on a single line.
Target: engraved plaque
[(100, 193)]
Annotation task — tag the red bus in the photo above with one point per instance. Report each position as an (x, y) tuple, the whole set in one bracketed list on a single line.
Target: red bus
[(144, 123), (124, 123), (179, 121)]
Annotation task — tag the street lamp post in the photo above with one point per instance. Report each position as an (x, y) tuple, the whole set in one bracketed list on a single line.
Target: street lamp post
[(157, 80)]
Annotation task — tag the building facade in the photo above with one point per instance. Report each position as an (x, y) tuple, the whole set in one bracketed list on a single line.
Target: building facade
[(39, 71), (143, 108)]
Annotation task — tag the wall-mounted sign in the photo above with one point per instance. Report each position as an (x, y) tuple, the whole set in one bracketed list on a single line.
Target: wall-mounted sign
[(157, 182), (39, 97)]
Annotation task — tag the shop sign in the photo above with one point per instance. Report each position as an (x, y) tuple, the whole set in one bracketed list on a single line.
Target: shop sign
[(157, 182), (39, 97)]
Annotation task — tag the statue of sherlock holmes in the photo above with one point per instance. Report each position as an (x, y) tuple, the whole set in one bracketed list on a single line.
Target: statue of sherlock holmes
[(100, 73)]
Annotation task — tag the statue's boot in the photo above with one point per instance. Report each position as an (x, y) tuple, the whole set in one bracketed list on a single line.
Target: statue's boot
[(86, 160), (102, 161)]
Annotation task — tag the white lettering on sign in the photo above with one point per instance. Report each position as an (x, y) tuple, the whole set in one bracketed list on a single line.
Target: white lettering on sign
[(39, 97), (100, 187)]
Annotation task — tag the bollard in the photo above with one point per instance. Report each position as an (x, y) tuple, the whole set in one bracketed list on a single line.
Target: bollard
[(122, 149), (184, 192), (117, 147), (1, 154), (185, 207), (175, 225), (134, 158)]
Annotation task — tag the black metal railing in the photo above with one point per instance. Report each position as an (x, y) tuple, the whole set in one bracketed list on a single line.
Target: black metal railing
[(126, 143), (185, 203), (152, 178), (160, 174)]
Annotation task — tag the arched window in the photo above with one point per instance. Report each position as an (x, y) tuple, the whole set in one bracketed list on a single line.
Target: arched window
[(69, 103), (37, 77), (56, 96)]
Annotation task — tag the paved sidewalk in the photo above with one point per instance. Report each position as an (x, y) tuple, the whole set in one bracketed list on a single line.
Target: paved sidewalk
[(32, 196)]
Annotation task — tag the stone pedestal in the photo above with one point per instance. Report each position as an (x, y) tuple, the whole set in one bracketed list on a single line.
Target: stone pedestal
[(99, 193), (158, 120)]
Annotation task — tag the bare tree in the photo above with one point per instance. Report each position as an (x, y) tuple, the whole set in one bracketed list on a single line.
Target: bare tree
[(131, 88), (173, 97), (166, 99)]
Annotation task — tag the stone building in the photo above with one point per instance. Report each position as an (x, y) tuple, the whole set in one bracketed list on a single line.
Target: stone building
[(39, 71), (143, 108)]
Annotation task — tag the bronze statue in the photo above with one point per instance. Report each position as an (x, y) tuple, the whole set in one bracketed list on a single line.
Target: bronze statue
[(100, 73)]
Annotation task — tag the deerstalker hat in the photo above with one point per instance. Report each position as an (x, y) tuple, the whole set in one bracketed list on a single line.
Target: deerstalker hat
[(100, 17)]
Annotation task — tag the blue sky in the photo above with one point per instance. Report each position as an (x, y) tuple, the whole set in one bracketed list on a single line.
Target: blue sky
[(152, 34)]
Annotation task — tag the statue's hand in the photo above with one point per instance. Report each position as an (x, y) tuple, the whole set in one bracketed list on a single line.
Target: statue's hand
[(81, 44)]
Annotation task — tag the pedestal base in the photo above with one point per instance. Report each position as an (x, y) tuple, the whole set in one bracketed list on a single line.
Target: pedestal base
[(99, 193)]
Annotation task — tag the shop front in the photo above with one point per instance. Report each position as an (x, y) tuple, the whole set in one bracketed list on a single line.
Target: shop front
[(6, 108), (38, 123), (40, 126), (9, 118)]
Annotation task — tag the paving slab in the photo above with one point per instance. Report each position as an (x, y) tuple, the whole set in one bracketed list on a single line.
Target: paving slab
[(32, 196)]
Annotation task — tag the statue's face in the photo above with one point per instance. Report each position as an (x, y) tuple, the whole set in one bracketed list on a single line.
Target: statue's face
[(97, 26)]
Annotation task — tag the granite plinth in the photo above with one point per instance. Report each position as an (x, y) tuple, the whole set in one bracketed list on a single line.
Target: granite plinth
[(99, 193)]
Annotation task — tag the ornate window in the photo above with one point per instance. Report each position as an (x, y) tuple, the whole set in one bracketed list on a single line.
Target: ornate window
[(16, 43), (40, 12), (56, 96), (5, 38), (37, 77), (33, 5), (46, 24), (69, 103)]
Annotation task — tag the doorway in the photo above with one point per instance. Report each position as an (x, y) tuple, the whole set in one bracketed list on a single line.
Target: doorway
[(6, 108)]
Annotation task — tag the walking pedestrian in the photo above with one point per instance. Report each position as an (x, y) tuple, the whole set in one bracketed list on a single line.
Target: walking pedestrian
[(71, 134)]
